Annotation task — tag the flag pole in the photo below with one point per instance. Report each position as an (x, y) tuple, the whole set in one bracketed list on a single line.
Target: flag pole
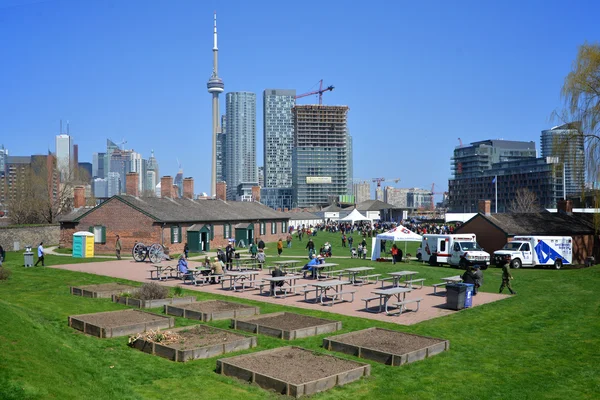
[(496, 185)]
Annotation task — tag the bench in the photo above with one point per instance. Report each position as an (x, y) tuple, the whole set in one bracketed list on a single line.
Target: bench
[(401, 305), (338, 272), (165, 273), (383, 280), (285, 289), (367, 300), (410, 282), (307, 291), (366, 279), (436, 285), (339, 297)]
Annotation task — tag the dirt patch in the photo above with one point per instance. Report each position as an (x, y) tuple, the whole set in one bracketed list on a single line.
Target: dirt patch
[(214, 306), (202, 335), (289, 321), (119, 318), (388, 341), (293, 365)]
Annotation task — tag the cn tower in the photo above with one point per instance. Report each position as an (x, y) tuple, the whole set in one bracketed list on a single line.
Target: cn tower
[(215, 86)]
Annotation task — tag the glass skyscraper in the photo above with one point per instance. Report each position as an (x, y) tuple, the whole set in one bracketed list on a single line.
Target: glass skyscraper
[(566, 143), (278, 129), (240, 141)]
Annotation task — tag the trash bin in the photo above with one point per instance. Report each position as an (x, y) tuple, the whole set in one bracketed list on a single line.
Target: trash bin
[(469, 295), (28, 255), (455, 296)]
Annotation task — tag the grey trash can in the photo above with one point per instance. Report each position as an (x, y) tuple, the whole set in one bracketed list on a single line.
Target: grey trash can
[(28, 255), (455, 295)]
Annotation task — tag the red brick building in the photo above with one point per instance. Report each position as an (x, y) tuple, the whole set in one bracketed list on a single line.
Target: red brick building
[(204, 224)]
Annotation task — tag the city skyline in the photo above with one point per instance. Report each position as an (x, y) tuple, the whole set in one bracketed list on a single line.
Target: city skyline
[(135, 94)]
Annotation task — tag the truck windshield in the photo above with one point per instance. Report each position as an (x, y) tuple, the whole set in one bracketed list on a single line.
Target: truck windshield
[(512, 246), (465, 246)]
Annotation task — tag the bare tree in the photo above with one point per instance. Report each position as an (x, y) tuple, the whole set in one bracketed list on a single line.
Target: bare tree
[(525, 201)]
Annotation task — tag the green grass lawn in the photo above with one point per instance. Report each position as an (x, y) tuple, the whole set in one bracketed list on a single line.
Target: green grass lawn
[(541, 344)]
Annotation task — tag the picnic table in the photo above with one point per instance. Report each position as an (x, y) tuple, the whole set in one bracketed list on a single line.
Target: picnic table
[(287, 263), (244, 263), (161, 271), (384, 296), (245, 279), (324, 266), (196, 273), (289, 284), (332, 290), (397, 277), (445, 281), (353, 272)]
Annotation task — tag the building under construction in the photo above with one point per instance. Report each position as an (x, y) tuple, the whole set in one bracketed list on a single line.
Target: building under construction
[(321, 157)]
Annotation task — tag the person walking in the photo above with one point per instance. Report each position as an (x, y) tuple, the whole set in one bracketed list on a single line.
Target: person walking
[(253, 250), (186, 250), (118, 247), (288, 239), (1, 255), (311, 248), (394, 252), (343, 240), (506, 276), (40, 254), (478, 274), (261, 244), (350, 241), (279, 247)]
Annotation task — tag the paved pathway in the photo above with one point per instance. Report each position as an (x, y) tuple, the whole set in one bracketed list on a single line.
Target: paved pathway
[(432, 306)]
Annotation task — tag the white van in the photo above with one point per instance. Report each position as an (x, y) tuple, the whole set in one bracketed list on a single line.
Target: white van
[(458, 250), (537, 250)]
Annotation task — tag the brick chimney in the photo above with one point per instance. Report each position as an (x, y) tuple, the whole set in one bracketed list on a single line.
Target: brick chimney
[(166, 185), (222, 190), (78, 197), (485, 207), (256, 193), (132, 180), (565, 207), (188, 188)]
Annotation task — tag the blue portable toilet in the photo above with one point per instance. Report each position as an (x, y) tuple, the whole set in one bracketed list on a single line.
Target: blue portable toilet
[(83, 244)]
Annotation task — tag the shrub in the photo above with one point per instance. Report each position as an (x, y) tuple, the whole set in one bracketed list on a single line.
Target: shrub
[(178, 291), (4, 273), (151, 291)]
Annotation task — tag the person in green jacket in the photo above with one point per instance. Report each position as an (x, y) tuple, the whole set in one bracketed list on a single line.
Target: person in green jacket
[(253, 250), (506, 275)]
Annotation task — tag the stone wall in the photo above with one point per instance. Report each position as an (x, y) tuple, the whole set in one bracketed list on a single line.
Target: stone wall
[(29, 235)]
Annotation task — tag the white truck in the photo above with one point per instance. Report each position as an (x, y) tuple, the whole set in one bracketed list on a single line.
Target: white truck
[(459, 250), (537, 250)]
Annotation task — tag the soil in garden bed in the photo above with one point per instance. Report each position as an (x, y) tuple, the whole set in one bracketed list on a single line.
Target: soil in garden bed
[(214, 306), (202, 335), (293, 365), (387, 341), (119, 318), (106, 287), (289, 321)]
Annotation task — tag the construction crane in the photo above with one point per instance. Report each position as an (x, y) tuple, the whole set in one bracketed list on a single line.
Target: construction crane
[(123, 142), (379, 180), (319, 92), (460, 142), (433, 193)]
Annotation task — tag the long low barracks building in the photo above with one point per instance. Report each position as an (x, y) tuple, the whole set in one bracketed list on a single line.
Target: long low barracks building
[(204, 224)]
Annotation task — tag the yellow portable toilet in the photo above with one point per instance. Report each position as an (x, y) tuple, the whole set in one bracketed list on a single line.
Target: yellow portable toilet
[(83, 244)]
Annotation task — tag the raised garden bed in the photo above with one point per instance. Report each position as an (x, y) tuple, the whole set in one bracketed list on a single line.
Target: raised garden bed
[(386, 346), (293, 371), (199, 341), (104, 290), (139, 303), (212, 310), (286, 326), (119, 323)]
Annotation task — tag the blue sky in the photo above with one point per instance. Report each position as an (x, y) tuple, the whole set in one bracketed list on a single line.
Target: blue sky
[(415, 76)]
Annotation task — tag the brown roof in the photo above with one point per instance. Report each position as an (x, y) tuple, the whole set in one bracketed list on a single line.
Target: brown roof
[(187, 210), (543, 223)]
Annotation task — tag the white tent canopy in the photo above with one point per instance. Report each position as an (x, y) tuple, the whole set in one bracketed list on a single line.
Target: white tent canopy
[(354, 216), (397, 234)]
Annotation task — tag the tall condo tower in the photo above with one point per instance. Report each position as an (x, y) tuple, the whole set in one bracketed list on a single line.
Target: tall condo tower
[(215, 86)]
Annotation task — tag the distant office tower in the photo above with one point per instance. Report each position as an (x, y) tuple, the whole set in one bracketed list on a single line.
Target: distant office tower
[(98, 165), (278, 130), (100, 187), (221, 147), (152, 174), (261, 176), (566, 143), (64, 155), (85, 171), (139, 165), (120, 163), (3, 156), (178, 181), (418, 198), (240, 163), (395, 196), (350, 165), (110, 148), (113, 184), (320, 154), (361, 191)]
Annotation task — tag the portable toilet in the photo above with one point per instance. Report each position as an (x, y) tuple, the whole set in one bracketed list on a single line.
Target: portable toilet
[(83, 244)]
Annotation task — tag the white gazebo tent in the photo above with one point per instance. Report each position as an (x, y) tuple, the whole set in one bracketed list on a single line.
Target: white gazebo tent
[(397, 234), (354, 216)]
